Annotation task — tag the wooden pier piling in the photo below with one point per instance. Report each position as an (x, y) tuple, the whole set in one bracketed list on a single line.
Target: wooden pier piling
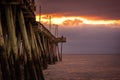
[(5, 71), (26, 46)]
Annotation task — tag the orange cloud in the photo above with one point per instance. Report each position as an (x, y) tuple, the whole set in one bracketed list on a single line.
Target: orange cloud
[(75, 20), (72, 22)]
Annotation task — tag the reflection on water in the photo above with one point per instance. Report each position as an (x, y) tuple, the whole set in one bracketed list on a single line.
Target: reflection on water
[(85, 67)]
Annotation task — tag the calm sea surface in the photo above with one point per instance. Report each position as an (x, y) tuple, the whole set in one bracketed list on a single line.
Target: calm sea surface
[(85, 67)]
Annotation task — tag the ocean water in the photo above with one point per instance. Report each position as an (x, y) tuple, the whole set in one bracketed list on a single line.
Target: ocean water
[(85, 67)]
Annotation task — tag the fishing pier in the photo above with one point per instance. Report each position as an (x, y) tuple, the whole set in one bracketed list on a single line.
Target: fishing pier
[(26, 46)]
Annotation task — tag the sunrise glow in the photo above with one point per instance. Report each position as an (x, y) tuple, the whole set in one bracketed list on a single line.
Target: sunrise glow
[(74, 20)]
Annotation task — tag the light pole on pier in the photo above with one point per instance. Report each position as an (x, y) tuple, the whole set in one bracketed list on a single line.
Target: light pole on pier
[(56, 30), (50, 23), (39, 13)]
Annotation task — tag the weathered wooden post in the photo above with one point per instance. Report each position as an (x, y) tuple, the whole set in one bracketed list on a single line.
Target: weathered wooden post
[(49, 52), (35, 54), (40, 45), (11, 31), (45, 65), (13, 41), (0, 73), (52, 53), (30, 64), (20, 54), (61, 51), (3, 57), (58, 52), (61, 40), (55, 50), (43, 56)]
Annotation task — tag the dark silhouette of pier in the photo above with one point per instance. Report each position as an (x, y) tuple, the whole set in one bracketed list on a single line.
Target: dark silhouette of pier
[(26, 46)]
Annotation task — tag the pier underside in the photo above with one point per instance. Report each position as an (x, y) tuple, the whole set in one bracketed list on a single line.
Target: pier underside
[(26, 46)]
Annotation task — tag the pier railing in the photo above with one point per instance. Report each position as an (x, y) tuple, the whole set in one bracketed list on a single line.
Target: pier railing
[(26, 46)]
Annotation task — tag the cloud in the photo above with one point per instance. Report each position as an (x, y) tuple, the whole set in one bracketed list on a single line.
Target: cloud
[(72, 22), (91, 40), (87, 38), (102, 8)]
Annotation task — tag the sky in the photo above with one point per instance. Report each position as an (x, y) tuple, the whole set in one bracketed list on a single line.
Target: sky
[(90, 26)]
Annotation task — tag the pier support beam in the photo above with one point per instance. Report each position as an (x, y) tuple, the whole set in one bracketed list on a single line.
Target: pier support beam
[(61, 52), (26, 46), (14, 58), (3, 57), (35, 54), (30, 64), (11, 31)]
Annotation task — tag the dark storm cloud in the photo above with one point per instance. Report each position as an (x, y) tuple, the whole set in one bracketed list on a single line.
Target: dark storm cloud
[(102, 8)]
